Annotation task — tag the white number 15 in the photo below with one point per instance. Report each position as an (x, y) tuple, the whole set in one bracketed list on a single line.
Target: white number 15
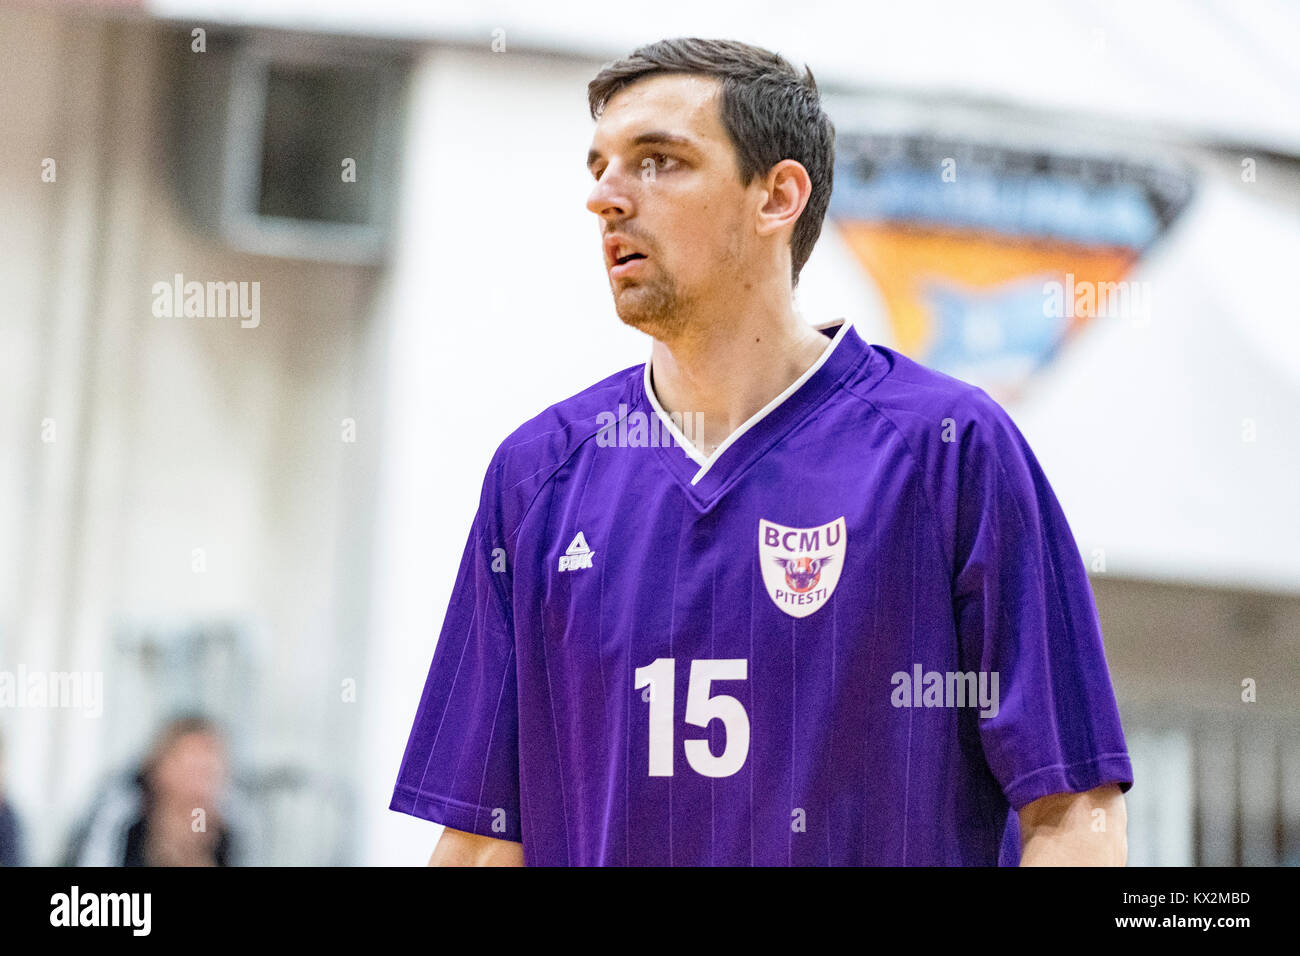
[(700, 709)]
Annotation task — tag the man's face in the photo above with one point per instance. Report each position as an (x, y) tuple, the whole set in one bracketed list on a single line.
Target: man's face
[(667, 183), (192, 772)]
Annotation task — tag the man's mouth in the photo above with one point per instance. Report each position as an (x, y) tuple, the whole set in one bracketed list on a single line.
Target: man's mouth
[(626, 265)]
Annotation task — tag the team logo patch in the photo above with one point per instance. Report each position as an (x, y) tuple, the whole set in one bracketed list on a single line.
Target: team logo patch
[(801, 566)]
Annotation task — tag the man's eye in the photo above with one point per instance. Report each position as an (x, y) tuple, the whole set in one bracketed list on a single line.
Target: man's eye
[(660, 161)]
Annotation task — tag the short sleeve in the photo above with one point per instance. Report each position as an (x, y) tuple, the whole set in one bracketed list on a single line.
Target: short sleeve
[(461, 765), (1024, 609)]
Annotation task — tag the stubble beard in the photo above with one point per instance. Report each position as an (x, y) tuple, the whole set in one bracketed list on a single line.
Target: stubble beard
[(655, 306)]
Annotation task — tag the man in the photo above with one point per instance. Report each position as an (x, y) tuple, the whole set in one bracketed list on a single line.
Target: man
[(842, 622)]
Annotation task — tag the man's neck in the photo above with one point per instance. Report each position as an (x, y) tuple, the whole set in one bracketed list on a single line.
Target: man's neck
[(727, 371)]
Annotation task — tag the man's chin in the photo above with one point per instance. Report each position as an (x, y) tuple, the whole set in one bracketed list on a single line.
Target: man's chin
[(648, 309)]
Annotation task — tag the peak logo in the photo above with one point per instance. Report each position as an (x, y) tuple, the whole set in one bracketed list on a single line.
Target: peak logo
[(801, 566), (577, 556)]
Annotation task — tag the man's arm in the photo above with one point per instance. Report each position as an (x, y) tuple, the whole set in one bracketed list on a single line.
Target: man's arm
[(1064, 829), (458, 848)]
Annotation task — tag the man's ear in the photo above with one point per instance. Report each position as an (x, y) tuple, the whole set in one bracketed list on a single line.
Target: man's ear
[(788, 187)]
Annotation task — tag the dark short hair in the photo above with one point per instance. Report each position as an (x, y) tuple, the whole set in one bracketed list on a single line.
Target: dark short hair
[(770, 112)]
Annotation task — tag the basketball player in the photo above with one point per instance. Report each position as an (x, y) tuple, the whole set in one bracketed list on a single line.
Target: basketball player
[(842, 622)]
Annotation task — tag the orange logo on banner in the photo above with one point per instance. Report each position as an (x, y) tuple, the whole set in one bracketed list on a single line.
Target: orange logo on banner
[(903, 259), (988, 258)]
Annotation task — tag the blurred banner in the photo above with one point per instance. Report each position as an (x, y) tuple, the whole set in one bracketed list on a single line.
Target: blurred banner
[(990, 259)]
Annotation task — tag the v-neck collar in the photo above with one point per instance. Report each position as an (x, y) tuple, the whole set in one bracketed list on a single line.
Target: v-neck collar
[(705, 478)]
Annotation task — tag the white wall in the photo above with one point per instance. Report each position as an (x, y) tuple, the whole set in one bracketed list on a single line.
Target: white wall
[(1172, 442)]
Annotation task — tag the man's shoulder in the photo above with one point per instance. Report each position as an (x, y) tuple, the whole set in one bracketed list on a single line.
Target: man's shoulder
[(561, 427), (535, 450), (923, 401)]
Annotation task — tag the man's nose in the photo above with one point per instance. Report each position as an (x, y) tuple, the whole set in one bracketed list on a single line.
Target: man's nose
[(611, 196)]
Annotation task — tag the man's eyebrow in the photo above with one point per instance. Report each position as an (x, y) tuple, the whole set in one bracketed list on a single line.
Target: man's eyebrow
[(657, 137)]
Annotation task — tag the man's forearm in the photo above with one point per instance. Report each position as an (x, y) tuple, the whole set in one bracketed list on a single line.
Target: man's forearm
[(458, 848), (1075, 829)]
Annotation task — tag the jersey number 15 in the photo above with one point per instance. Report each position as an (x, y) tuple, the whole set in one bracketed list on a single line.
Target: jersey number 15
[(658, 678)]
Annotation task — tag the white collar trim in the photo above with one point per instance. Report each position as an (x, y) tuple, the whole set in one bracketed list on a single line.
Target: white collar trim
[(692, 452)]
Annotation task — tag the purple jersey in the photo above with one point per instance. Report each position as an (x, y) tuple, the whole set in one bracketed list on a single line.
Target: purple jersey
[(859, 633)]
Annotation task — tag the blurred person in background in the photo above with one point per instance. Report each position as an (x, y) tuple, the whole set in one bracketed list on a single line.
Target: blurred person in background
[(10, 845), (172, 811)]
